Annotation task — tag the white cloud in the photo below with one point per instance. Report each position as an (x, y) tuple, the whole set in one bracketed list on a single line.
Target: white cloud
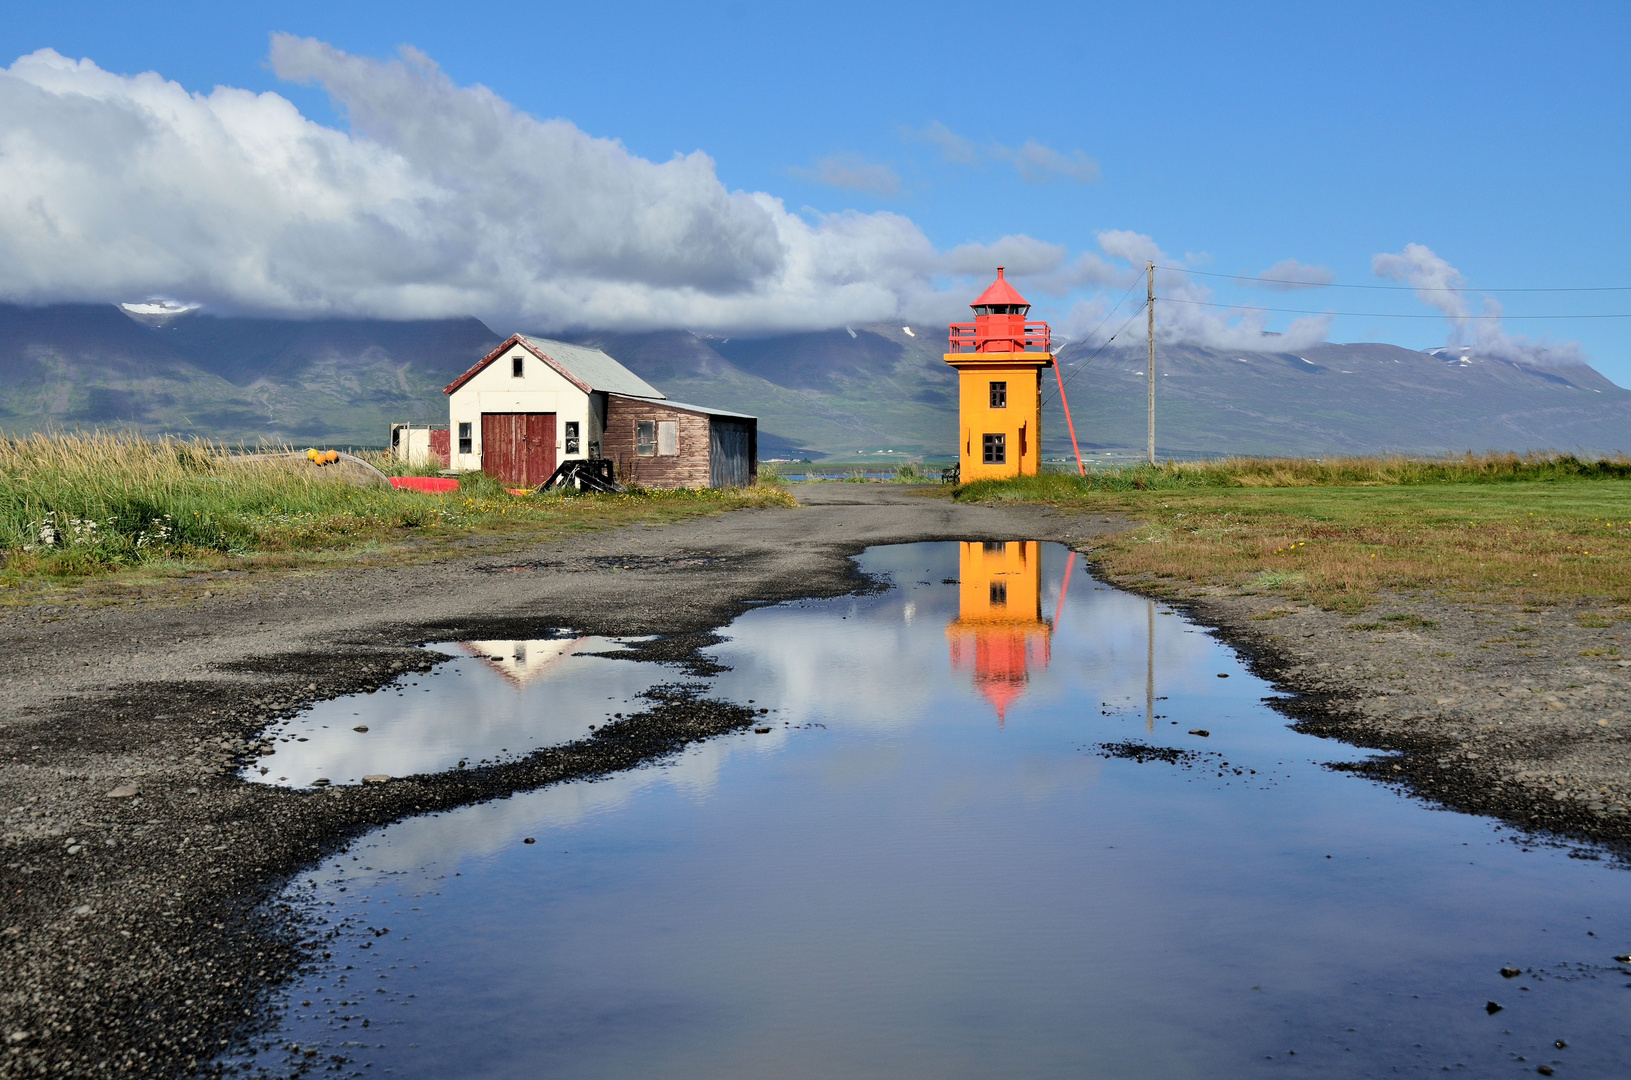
[(953, 147), (1440, 285), (1035, 163), (1021, 254), (445, 200), (1185, 313), (441, 200), (1289, 274), (1136, 248), (854, 173)]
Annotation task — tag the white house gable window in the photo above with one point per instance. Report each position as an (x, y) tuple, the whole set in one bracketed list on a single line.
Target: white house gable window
[(516, 367), (645, 438), (668, 438)]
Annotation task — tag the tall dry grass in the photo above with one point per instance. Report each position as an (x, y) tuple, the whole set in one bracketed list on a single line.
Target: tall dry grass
[(81, 504), (77, 503)]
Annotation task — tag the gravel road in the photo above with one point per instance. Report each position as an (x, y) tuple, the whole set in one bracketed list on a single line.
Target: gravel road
[(137, 937), (137, 873)]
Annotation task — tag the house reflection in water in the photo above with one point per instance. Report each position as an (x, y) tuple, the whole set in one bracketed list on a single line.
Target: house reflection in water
[(522, 663), (1000, 633)]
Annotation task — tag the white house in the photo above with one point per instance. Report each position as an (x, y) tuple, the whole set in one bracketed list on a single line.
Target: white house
[(533, 403)]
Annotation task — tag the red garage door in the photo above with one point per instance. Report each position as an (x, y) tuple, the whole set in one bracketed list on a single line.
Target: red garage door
[(518, 448)]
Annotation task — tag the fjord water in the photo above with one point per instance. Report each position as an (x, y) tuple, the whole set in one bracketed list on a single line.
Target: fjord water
[(928, 868)]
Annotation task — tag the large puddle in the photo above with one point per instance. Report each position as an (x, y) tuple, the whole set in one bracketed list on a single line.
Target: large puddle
[(928, 867), (493, 701)]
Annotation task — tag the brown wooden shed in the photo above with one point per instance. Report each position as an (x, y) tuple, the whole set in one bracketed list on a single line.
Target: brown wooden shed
[(656, 442)]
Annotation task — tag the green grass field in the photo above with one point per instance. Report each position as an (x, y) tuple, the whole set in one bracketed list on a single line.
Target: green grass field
[(79, 506), (1518, 529)]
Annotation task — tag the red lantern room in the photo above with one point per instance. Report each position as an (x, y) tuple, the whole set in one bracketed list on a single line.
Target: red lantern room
[(999, 324)]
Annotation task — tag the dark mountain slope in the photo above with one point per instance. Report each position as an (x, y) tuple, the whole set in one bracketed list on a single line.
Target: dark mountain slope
[(834, 392), (86, 365), (1339, 399), (244, 351), (882, 386), (826, 361)]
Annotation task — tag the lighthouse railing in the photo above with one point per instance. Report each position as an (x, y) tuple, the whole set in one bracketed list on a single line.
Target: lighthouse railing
[(965, 337)]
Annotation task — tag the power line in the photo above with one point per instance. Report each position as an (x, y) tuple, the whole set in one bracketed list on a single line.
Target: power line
[(1392, 288), (1111, 313), (1384, 314), (1079, 365), (1107, 316)]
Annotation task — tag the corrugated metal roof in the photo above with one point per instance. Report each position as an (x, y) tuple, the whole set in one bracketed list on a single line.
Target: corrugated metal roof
[(694, 408), (595, 368)]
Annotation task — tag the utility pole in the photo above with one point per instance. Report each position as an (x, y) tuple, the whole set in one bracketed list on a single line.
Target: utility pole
[(1149, 304), (1149, 669)]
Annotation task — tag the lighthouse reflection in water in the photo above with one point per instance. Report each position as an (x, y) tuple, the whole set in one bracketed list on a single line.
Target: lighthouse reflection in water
[(878, 880), (1000, 635)]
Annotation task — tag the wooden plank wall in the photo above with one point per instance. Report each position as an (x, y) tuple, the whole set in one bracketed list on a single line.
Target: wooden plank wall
[(688, 468), (735, 454)]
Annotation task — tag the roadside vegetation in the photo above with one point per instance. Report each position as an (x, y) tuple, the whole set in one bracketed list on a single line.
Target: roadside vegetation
[(81, 506), (910, 472), (391, 465), (1336, 532)]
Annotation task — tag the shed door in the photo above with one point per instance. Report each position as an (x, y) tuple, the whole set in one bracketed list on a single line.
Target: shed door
[(731, 453), (518, 448)]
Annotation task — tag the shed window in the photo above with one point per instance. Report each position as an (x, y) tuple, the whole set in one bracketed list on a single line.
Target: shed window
[(999, 395), (645, 438), (668, 438), (996, 449), (464, 439), (572, 438), (999, 594), (515, 367)]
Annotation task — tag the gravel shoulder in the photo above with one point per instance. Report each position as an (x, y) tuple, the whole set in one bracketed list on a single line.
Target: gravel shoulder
[(136, 937), (136, 934)]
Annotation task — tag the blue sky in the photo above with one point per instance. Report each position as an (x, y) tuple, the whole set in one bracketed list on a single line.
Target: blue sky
[(1235, 136)]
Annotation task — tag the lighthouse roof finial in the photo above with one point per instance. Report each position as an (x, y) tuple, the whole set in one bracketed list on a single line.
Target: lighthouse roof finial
[(1000, 292)]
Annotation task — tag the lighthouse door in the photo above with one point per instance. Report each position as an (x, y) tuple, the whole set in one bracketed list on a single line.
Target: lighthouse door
[(518, 448)]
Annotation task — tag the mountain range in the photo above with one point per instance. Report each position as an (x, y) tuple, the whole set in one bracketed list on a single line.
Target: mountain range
[(847, 393)]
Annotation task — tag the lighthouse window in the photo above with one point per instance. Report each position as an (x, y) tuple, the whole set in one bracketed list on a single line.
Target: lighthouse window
[(999, 395), (645, 438), (996, 449)]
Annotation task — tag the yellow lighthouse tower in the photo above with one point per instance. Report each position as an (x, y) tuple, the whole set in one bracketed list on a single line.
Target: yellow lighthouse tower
[(999, 359)]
